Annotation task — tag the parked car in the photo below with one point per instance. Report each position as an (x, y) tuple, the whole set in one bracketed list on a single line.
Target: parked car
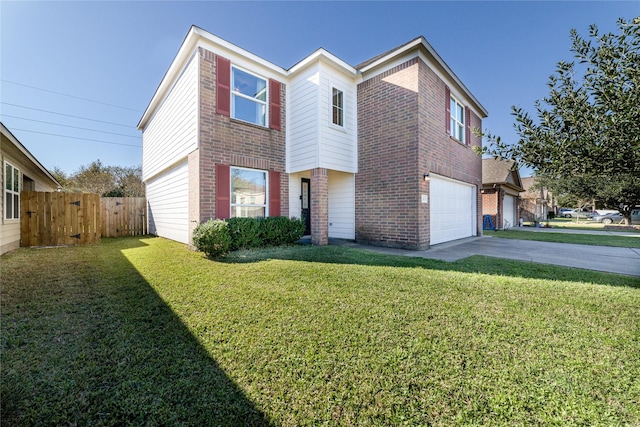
[(577, 213), (562, 211), (601, 212), (614, 218)]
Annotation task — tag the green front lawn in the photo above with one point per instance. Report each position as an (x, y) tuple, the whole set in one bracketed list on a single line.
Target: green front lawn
[(632, 241), (145, 332)]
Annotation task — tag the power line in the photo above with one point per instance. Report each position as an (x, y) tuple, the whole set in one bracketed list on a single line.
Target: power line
[(68, 126), (75, 137), (66, 115), (70, 96)]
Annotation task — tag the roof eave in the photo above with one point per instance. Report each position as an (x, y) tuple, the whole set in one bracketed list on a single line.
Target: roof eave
[(6, 132), (418, 43)]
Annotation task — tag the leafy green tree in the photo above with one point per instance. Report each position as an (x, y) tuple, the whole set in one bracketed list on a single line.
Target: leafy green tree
[(108, 181), (586, 139)]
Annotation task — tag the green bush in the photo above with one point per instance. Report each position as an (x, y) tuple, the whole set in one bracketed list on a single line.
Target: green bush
[(212, 237), (280, 230), (244, 233)]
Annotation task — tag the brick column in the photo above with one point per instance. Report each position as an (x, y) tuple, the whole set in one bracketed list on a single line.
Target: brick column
[(320, 206)]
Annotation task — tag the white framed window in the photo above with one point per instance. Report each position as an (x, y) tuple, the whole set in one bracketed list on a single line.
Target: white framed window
[(457, 120), (248, 97), (337, 107), (248, 193), (11, 191)]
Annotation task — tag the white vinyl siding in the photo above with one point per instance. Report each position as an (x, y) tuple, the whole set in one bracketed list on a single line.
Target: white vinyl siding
[(452, 210), (168, 204), (342, 214), (337, 144), (303, 112), (313, 140), (172, 132)]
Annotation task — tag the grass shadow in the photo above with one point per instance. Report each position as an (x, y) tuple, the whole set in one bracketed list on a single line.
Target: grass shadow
[(90, 342), (336, 254)]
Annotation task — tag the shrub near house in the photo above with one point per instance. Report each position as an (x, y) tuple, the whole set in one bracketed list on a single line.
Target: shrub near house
[(217, 237)]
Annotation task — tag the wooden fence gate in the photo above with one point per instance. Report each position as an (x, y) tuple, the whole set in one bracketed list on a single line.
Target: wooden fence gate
[(123, 216), (51, 219)]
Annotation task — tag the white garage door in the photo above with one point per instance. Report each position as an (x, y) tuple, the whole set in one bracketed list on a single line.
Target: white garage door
[(168, 203), (452, 210), (509, 212)]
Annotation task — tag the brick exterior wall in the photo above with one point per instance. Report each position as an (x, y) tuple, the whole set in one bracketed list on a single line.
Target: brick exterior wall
[(224, 140), (402, 135)]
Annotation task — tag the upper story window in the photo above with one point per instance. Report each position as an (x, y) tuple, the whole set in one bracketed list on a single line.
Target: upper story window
[(248, 193), (248, 97), (457, 120), (337, 108), (11, 192)]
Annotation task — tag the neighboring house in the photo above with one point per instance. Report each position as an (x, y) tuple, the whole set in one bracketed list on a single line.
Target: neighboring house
[(379, 153), (536, 202), (22, 172), (501, 188)]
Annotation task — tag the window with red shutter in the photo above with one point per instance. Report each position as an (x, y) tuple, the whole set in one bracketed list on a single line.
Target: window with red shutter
[(223, 86), (467, 124), (223, 191), (447, 108), (274, 104)]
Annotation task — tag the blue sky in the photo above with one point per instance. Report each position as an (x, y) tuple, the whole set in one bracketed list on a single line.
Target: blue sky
[(104, 60)]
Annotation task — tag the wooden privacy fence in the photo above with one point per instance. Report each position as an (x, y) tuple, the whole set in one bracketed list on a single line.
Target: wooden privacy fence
[(123, 216), (51, 219)]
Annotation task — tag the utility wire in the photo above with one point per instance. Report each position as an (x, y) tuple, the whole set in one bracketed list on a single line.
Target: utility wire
[(69, 126), (70, 96), (66, 115), (75, 137)]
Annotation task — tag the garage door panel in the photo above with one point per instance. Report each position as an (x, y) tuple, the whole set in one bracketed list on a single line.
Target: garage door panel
[(508, 210), (452, 210)]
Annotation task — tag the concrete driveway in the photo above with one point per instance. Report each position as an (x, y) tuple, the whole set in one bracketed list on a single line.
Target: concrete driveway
[(600, 258)]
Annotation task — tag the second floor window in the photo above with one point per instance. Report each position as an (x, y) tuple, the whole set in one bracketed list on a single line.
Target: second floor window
[(338, 107), (457, 120), (248, 97)]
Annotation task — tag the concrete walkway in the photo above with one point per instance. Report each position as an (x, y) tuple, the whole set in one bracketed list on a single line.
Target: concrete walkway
[(600, 258)]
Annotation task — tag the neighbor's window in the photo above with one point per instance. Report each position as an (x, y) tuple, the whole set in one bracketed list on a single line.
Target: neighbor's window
[(457, 120), (11, 192), (248, 193), (248, 97), (338, 107)]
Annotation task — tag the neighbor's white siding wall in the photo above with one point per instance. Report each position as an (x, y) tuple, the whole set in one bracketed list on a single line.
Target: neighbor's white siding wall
[(303, 115), (172, 132), (168, 204), (338, 146), (342, 215), (10, 228)]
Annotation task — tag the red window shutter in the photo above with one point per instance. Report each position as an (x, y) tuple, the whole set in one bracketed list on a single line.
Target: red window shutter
[(223, 86), (274, 104), (223, 191), (467, 125), (447, 105), (274, 193)]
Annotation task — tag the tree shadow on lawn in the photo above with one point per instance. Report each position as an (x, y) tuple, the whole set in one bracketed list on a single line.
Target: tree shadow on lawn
[(337, 254), (99, 346)]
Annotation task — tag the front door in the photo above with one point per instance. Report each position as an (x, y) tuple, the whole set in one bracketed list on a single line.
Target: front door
[(305, 197)]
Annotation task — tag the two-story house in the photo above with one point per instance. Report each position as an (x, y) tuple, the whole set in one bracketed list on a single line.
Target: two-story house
[(379, 153)]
